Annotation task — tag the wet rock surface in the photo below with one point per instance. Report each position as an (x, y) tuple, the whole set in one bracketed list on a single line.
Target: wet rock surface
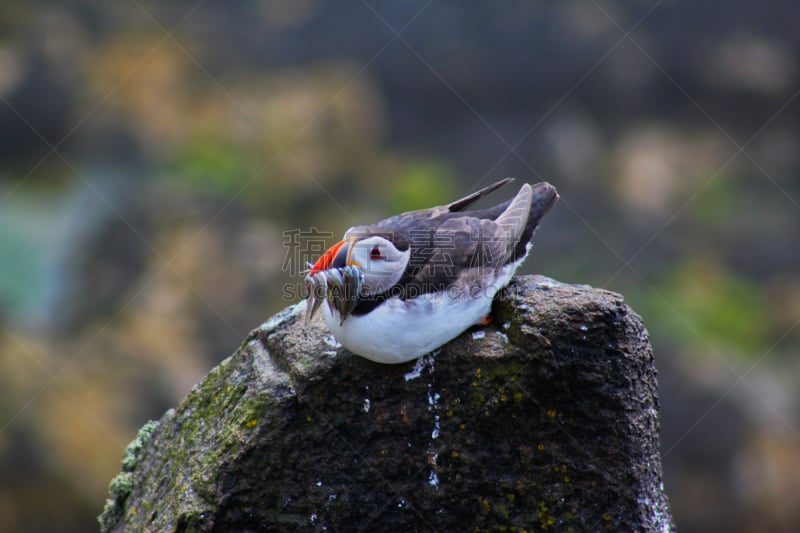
[(545, 420)]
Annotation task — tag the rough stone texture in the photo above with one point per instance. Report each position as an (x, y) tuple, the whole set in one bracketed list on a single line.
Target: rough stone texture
[(546, 420)]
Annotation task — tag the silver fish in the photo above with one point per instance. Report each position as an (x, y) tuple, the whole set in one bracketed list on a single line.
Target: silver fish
[(339, 287)]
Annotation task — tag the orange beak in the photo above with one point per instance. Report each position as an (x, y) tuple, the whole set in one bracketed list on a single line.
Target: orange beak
[(336, 256)]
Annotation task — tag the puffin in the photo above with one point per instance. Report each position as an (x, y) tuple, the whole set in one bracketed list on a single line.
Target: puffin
[(404, 286)]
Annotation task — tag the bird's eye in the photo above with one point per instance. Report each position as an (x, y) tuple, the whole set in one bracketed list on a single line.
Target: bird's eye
[(375, 253)]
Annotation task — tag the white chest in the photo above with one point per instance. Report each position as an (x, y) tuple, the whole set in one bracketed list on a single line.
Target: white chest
[(401, 330)]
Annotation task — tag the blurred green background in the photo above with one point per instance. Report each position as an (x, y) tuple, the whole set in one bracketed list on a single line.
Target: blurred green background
[(152, 155)]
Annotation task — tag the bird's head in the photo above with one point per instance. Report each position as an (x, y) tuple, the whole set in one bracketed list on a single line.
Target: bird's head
[(368, 261)]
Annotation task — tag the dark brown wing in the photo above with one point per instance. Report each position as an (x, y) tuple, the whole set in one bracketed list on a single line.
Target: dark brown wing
[(431, 218), (467, 243)]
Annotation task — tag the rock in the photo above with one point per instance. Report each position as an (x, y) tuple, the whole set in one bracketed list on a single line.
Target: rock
[(546, 420)]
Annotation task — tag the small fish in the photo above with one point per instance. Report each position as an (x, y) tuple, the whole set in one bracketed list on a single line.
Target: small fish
[(339, 287)]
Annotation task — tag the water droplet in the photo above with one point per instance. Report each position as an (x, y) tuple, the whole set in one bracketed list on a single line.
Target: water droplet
[(366, 405), (435, 432), (476, 335), (331, 341), (416, 371), (433, 398)]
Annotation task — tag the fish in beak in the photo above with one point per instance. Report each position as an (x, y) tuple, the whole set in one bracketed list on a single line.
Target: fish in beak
[(336, 279)]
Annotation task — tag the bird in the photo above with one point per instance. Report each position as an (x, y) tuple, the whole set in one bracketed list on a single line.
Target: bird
[(400, 288)]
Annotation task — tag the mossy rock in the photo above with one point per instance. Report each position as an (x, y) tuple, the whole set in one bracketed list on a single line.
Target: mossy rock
[(544, 421)]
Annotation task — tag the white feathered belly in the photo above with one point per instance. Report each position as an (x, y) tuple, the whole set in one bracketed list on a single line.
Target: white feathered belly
[(401, 330)]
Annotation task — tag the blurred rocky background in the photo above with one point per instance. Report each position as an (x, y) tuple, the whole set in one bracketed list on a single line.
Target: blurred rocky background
[(159, 161)]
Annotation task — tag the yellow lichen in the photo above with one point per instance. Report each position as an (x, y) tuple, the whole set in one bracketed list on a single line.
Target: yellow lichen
[(540, 447), (551, 413), (251, 423), (545, 520)]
